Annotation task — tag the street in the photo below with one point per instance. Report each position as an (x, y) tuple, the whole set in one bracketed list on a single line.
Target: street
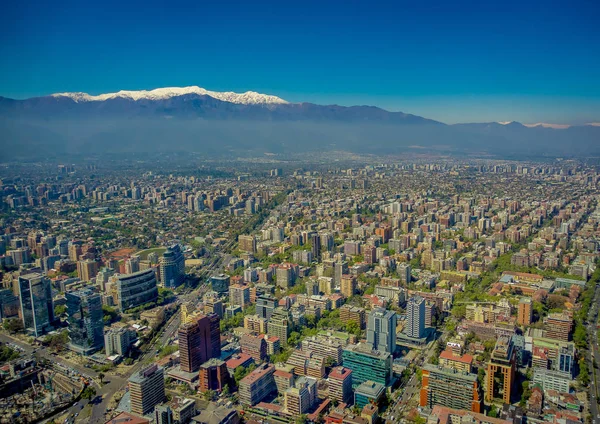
[(595, 378)]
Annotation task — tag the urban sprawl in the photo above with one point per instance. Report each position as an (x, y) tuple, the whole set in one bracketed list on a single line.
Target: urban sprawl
[(415, 291)]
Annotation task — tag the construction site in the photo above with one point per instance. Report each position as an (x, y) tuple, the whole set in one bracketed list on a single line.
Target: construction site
[(30, 391)]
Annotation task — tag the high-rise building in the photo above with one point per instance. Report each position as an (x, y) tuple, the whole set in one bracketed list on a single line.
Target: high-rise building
[(132, 264), (340, 384), (370, 254), (37, 309), (367, 393), (147, 389), (172, 267), (213, 375), (301, 397), (525, 311), (315, 240), (136, 289), (87, 269), (415, 317), (559, 326), (323, 347), (117, 341), (451, 388), (247, 243), (381, 330), (239, 295), (255, 346), (196, 342), (9, 304), (86, 326), (279, 325), (404, 270), (353, 313), (501, 370), (348, 285), (265, 305), (220, 283), (257, 385), (367, 364)]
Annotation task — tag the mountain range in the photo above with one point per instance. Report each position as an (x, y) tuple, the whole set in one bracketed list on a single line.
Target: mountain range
[(221, 123)]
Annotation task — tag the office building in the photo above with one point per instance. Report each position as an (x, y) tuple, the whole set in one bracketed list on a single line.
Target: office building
[(368, 392), (451, 388), (220, 283), (213, 375), (340, 384), (265, 305), (279, 325), (9, 304), (500, 375), (315, 241), (552, 379), (86, 325), (146, 389), (196, 340), (415, 317), (117, 341), (367, 364), (172, 267), (37, 309), (257, 385), (136, 289), (239, 295), (525, 311), (381, 330)]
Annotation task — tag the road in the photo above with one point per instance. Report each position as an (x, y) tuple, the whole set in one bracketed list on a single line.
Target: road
[(594, 375), (116, 383), (412, 386)]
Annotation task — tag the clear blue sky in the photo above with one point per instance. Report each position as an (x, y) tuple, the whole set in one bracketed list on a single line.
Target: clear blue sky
[(455, 61)]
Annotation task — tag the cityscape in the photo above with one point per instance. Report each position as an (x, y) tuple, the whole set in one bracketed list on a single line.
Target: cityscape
[(398, 290), (266, 212)]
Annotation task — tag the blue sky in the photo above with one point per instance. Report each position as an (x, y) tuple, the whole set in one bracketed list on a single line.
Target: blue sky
[(455, 61)]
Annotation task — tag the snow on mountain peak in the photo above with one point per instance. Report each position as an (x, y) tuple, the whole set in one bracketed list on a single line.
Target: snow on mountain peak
[(247, 98)]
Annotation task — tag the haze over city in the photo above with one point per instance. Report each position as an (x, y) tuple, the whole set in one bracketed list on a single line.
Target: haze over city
[(299, 212)]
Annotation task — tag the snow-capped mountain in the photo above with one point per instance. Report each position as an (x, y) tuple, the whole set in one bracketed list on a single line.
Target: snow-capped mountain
[(195, 119), (247, 98)]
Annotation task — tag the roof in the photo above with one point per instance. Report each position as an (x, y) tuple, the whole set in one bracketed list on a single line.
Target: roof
[(466, 358), (126, 418), (340, 373), (240, 359)]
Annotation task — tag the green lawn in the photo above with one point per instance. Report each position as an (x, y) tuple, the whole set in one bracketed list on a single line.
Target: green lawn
[(144, 253)]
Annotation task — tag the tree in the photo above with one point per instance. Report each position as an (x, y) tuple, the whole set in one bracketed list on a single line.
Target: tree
[(88, 393), (301, 419), (13, 325), (210, 395), (59, 310), (225, 392), (493, 411)]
